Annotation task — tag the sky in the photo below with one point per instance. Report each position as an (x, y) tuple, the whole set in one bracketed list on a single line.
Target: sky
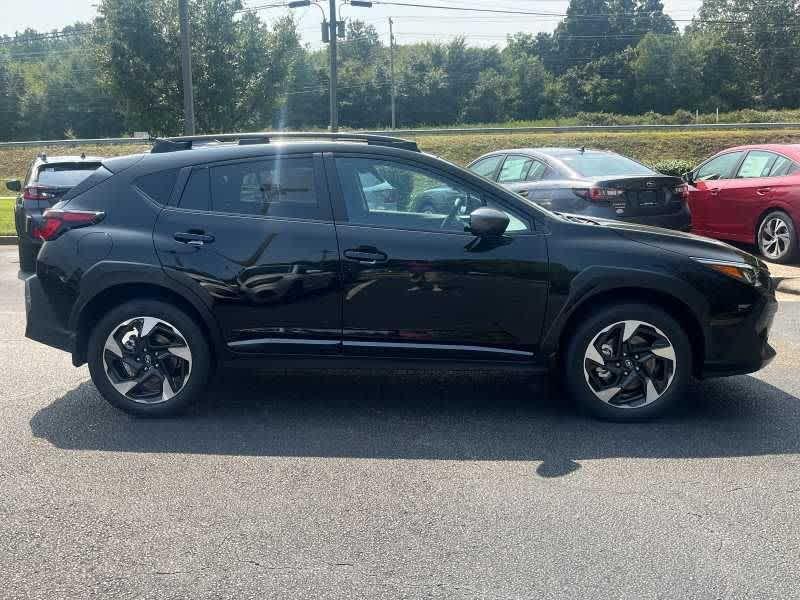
[(411, 24)]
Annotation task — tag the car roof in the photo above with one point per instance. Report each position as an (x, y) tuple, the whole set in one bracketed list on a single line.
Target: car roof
[(792, 150), (552, 151)]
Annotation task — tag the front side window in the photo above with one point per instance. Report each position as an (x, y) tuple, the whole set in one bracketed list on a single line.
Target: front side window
[(423, 200), (514, 169), (720, 167), (758, 163), (280, 187), (487, 167), (782, 166)]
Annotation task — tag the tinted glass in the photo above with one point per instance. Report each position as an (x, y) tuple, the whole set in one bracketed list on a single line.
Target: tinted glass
[(424, 201), (601, 164), (720, 167), (514, 169), (782, 166), (65, 174), (487, 166), (196, 195), (536, 171), (158, 186), (757, 163), (270, 188)]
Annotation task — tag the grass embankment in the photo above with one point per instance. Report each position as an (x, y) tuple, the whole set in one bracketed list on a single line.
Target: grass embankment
[(7, 216), (648, 147)]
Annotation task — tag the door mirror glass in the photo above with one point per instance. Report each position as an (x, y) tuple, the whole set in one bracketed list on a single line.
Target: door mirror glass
[(488, 222), (14, 185)]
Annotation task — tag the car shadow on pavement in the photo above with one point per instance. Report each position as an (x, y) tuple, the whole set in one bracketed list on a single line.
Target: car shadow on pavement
[(447, 417)]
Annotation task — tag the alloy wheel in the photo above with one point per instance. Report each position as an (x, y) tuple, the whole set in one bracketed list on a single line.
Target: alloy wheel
[(629, 364), (147, 360), (774, 238)]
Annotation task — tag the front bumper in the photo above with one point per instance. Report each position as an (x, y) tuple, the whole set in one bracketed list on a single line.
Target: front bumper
[(42, 324), (736, 346)]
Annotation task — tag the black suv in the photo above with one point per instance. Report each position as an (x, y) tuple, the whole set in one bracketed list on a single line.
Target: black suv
[(263, 249), (48, 179)]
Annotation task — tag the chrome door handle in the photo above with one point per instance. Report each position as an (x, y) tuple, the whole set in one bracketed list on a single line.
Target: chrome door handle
[(367, 256), (193, 238)]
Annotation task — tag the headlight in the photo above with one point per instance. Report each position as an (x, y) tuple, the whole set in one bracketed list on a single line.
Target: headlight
[(741, 271)]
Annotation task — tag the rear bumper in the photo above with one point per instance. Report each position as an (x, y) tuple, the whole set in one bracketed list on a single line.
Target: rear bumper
[(42, 325), (740, 346)]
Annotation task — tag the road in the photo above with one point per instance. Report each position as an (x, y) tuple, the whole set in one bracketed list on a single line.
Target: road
[(299, 485)]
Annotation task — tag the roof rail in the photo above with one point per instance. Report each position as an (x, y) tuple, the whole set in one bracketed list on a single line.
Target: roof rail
[(173, 144)]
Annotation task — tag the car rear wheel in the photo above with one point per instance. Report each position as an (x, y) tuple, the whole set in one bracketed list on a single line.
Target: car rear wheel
[(27, 256), (628, 362), (777, 238), (149, 358)]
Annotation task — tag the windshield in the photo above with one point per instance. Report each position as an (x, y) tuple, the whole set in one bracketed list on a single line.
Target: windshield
[(601, 164), (65, 174)]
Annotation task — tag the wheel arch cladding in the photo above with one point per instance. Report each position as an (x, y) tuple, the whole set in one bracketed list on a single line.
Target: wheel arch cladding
[(115, 295), (675, 307)]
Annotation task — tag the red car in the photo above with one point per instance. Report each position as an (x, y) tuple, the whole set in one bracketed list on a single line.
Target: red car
[(749, 194)]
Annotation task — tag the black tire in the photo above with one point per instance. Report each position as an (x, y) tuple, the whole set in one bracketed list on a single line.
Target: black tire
[(199, 372), (574, 358), (27, 256), (790, 239)]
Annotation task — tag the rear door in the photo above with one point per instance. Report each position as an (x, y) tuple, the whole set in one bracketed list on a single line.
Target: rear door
[(256, 240)]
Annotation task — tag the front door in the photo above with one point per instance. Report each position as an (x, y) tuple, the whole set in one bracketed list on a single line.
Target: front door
[(708, 193), (416, 285), (256, 240)]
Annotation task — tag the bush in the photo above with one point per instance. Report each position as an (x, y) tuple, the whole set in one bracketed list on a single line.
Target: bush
[(674, 166)]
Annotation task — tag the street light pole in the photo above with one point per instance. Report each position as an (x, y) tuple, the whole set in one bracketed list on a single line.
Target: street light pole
[(334, 126), (391, 69), (186, 68)]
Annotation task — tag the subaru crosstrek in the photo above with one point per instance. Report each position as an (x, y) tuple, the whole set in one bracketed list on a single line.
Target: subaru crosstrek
[(265, 250)]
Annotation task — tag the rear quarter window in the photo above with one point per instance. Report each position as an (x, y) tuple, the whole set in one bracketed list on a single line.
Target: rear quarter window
[(158, 186)]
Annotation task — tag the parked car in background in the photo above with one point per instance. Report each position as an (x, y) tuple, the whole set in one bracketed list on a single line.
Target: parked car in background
[(749, 194), (176, 266), (593, 183), (48, 179)]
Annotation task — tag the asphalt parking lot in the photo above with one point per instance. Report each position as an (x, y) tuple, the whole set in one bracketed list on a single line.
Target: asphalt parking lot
[(385, 485)]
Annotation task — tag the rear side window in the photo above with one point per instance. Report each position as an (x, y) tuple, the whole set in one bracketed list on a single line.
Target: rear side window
[(158, 186), (514, 169), (196, 194), (783, 166), (283, 187), (757, 163)]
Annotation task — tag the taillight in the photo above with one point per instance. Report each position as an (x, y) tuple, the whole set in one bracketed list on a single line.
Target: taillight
[(37, 192), (598, 194), (681, 190), (55, 222)]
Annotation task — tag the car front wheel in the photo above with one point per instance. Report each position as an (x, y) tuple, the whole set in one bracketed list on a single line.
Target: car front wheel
[(627, 362), (149, 358)]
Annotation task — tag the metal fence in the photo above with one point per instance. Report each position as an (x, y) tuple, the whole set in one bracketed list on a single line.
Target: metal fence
[(457, 131)]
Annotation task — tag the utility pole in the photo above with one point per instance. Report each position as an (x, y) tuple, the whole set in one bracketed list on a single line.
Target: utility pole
[(391, 68), (334, 75), (186, 68)]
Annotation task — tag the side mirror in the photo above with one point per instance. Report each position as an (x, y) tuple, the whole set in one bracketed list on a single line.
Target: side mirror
[(487, 222), (688, 177), (14, 185)]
